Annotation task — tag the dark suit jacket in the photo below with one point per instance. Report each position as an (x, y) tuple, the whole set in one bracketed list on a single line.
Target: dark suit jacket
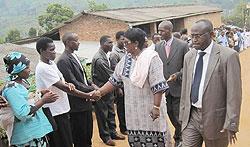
[(73, 73), (221, 99), (101, 71), (173, 64)]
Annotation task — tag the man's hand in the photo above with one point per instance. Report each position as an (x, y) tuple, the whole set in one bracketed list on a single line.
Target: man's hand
[(231, 136), (172, 77), (95, 95), (3, 102), (71, 86)]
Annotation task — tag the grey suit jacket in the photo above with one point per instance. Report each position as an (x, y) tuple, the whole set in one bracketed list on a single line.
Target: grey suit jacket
[(221, 99), (173, 64), (101, 70)]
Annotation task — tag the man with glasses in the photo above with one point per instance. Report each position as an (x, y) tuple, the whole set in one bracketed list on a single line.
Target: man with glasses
[(171, 51), (211, 91)]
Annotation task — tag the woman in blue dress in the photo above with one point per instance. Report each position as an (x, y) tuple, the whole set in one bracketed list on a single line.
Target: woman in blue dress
[(30, 125)]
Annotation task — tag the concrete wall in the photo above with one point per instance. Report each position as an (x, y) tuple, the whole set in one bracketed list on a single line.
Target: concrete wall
[(215, 18), (91, 28)]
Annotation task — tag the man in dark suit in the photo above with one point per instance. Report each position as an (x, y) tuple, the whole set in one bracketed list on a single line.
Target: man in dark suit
[(104, 108), (171, 51), (211, 91), (80, 114)]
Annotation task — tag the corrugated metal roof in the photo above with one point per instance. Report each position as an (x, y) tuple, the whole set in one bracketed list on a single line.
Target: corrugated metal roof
[(143, 15), (157, 13)]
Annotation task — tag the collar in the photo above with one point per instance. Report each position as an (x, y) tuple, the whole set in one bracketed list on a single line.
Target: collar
[(118, 49), (208, 50), (169, 41)]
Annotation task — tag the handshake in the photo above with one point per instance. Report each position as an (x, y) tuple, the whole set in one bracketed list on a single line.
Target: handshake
[(95, 95)]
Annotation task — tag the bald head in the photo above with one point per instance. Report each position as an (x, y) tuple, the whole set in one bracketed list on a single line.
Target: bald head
[(68, 36), (206, 25), (167, 24)]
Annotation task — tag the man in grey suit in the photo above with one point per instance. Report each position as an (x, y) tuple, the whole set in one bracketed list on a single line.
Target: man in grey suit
[(171, 51), (211, 91), (104, 108)]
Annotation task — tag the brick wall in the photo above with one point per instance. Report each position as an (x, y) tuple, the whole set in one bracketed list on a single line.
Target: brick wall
[(91, 28), (215, 18)]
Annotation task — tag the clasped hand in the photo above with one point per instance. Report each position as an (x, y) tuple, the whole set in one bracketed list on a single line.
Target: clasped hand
[(95, 95), (49, 96)]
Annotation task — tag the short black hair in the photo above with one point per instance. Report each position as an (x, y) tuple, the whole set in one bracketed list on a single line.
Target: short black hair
[(136, 34), (67, 36), (155, 34), (104, 38), (42, 43), (119, 34), (208, 24), (184, 31)]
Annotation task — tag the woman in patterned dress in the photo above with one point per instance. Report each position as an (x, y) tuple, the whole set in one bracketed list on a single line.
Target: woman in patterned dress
[(140, 71)]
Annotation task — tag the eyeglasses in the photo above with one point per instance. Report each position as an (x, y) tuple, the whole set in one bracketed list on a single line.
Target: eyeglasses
[(198, 36)]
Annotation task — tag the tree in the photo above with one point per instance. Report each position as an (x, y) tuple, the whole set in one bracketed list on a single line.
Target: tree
[(13, 35), (1, 40), (32, 32), (56, 14), (93, 6), (40, 32), (238, 16)]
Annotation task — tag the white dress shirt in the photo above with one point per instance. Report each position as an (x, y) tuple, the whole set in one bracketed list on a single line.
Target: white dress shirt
[(206, 57)]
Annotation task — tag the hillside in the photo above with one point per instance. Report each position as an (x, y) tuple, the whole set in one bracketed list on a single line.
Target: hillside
[(23, 14)]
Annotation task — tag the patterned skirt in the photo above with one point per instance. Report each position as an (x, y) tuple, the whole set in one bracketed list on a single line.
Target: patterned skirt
[(38, 142), (139, 138)]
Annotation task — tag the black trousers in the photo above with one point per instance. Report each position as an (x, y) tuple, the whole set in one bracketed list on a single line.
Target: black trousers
[(82, 128), (62, 136), (121, 111), (173, 108), (105, 115)]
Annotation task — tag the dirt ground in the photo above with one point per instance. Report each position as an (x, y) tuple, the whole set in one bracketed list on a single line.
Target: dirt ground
[(244, 133)]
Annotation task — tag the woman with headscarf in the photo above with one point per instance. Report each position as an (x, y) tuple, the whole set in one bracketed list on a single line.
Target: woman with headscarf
[(141, 73), (30, 125)]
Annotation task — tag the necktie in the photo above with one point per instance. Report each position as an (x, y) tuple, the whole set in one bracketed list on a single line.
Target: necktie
[(167, 49), (197, 78)]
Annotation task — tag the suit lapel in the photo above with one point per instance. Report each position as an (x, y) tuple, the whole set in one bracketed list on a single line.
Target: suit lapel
[(191, 65), (214, 57), (103, 54), (74, 60), (163, 51)]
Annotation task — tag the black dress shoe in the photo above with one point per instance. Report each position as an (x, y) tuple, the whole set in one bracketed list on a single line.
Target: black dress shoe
[(118, 137), (125, 133), (110, 143)]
